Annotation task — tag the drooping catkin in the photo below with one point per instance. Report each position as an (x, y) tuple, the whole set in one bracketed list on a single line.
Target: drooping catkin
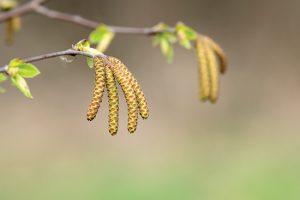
[(125, 82), (99, 67), (13, 25), (140, 96), (9, 31), (213, 73), (113, 100), (204, 80), (219, 52)]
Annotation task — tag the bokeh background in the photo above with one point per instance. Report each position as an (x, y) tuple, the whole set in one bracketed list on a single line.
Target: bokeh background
[(245, 147)]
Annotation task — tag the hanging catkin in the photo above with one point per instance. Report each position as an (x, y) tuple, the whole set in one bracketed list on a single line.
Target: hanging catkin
[(113, 100), (99, 67), (140, 96), (204, 82), (213, 73), (126, 84), (219, 52)]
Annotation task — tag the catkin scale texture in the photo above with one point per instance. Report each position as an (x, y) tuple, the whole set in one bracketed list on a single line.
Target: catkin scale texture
[(113, 100), (126, 84), (213, 73), (204, 80), (140, 96), (98, 89)]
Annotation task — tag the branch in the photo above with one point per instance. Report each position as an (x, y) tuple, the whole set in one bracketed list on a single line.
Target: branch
[(21, 10), (36, 6), (69, 52)]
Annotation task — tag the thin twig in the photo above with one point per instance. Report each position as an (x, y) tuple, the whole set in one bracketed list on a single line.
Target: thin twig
[(70, 52), (37, 7)]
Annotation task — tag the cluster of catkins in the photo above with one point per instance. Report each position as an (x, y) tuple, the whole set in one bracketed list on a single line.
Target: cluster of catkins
[(107, 70), (211, 61)]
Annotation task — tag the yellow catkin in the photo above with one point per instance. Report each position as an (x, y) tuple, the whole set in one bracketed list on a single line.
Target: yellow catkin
[(12, 25), (126, 85), (213, 73), (219, 52), (204, 82), (140, 96), (9, 31), (98, 89), (113, 100)]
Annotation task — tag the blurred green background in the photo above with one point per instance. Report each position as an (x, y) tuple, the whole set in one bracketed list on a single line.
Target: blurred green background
[(245, 147)]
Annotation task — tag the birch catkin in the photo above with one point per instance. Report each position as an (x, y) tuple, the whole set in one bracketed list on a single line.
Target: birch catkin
[(99, 67), (140, 96), (213, 73), (113, 100), (204, 82), (125, 82), (219, 52)]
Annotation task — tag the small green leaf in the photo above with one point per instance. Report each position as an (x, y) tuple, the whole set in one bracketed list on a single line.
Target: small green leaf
[(2, 77), (105, 41), (102, 36), (167, 49), (90, 62), (185, 35), (82, 45), (21, 84), (97, 35), (165, 40), (15, 62), (28, 70)]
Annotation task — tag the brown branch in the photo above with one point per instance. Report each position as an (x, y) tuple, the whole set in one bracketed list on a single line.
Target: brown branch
[(36, 6), (70, 52)]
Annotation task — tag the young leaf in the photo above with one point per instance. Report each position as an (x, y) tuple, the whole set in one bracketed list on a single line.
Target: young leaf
[(15, 62), (82, 45), (105, 42), (21, 84), (167, 49), (90, 62), (165, 39), (2, 77), (28, 70), (102, 36), (185, 35)]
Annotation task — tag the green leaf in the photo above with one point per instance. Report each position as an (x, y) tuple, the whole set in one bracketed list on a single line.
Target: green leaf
[(21, 84), (102, 36), (15, 63), (105, 41), (185, 35), (167, 50), (2, 77), (90, 62), (28, 70), (82, 45), (165, 40)]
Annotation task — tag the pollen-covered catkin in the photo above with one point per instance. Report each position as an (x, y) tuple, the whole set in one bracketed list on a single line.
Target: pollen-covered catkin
[(113, 100), (219, 52), (126, 85), (140, 96), (214, 74), (99, 67), (204, 80)]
